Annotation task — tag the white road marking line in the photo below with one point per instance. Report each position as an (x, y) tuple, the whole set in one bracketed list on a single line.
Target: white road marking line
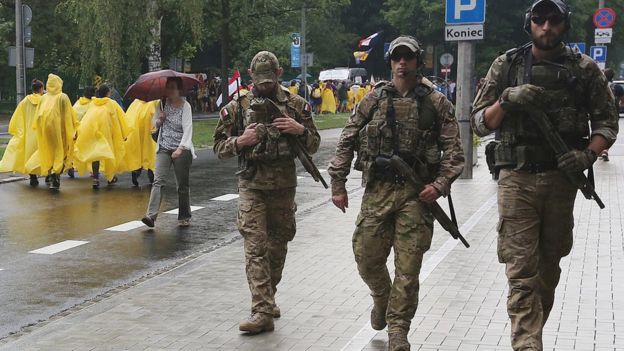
[(300, 177), (176, 210), (56, 248), (322, 170), (226, 197), (126, 226), (366, 334)]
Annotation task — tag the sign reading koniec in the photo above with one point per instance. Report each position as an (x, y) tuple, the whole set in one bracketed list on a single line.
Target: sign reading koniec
[(468, 32)]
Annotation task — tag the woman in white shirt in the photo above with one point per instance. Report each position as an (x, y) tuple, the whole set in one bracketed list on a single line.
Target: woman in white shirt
[(174, 121)]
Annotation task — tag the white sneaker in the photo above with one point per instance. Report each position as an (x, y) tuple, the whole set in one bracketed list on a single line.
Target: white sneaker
[(184, 222)]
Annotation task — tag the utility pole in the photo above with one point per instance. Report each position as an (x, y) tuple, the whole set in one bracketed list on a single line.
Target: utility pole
[(20, 84), (304, 56), (601, 4), (225, 39), (465, 93)]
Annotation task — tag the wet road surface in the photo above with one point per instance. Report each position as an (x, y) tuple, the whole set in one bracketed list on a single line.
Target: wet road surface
[(81, 259)]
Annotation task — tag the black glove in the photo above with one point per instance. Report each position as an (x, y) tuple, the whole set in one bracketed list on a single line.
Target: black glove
[(577, 160)]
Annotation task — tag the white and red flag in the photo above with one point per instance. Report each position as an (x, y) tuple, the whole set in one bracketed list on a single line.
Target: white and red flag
[(234, 85)]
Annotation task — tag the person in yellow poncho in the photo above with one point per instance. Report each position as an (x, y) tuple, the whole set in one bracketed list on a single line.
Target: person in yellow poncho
[(293, 88), (101, 137), (329, 100), (55, 123), (23, 144), (140, 147), (350, 99), (84, 102), (361, 92)]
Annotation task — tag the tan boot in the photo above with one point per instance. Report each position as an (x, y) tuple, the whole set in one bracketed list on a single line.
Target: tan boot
[(276, 311), (398, 342), (257, 323), (378, 313)]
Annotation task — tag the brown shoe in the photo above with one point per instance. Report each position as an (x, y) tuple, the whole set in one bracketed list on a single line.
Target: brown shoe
[(257, 323), (378, 313), (398, 342), (276, 311)]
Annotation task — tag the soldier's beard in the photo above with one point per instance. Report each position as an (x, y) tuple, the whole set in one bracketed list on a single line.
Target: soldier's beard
[(547, 42)]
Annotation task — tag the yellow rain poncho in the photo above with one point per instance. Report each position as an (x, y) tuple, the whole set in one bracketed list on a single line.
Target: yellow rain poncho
[(360, 94), (350, 100), (81, 106), (101, 138), (329, 101), (55, 123), (23, 144), (293, 89), (140, 147)]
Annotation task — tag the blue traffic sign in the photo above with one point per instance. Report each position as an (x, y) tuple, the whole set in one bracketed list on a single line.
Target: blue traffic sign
[(598, 53), (465, 11), (579, 47)]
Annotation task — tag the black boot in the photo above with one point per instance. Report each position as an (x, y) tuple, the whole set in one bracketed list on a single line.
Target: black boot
[(34, 181), (55, 181), (135, 177)]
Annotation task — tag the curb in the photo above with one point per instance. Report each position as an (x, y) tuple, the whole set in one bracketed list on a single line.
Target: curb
[(12, 179)]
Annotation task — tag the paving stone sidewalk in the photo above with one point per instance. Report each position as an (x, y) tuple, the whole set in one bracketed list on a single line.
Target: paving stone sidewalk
[(325, 305)]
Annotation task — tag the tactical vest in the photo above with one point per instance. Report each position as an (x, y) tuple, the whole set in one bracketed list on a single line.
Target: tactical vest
[(417, 130), (273, 145), (522, 145)]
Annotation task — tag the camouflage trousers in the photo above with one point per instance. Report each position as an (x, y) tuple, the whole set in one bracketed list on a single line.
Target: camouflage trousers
[(392, 217), (266, 220), (535, 232)]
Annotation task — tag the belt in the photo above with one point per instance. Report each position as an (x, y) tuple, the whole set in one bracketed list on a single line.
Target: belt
[(389, 177), (534, 167)]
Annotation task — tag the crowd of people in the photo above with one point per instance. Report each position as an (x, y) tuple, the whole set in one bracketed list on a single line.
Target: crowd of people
[(95, 137), (203, 98), (331, 96)]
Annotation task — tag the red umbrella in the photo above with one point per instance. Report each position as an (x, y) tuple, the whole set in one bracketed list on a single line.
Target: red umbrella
[(151, 86)]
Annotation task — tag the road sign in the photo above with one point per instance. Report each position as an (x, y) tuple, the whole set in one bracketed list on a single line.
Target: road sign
[(29, 56), (308, 59), (578, 47), (295, 51), (26, 15), (447, 60), (598, 53), (604, 18), (603, 35), (465, 11), (469, 32)]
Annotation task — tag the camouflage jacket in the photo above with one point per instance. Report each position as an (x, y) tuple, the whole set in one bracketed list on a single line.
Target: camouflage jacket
[(593, 84), (452, 161), (274, 174)]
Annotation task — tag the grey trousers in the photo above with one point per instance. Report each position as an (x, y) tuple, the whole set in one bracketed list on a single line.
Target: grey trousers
[(182, 169)]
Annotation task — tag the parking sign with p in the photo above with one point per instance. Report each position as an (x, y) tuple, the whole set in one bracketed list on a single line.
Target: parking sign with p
[(465, 11), (598, 53)]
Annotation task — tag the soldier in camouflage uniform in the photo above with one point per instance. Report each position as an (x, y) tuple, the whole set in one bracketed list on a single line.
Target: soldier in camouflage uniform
[(393, 214), (535, 199), (266, 212)]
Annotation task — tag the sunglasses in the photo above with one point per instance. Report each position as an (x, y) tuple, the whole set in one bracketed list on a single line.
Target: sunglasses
[(409, 55), (553, 19)]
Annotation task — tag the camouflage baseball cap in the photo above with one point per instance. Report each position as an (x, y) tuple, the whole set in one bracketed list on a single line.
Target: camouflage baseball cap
[(404, 40), (264, 67)]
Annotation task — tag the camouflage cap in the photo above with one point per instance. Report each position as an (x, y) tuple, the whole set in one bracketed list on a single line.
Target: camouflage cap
[(404, 40), (264, 67)]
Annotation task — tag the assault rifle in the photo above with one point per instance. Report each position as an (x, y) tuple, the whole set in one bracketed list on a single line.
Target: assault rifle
[(401, 168)]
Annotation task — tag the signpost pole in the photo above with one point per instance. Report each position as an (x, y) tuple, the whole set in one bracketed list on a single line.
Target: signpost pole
[(304, 57), (465, 92), (20, 84)]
